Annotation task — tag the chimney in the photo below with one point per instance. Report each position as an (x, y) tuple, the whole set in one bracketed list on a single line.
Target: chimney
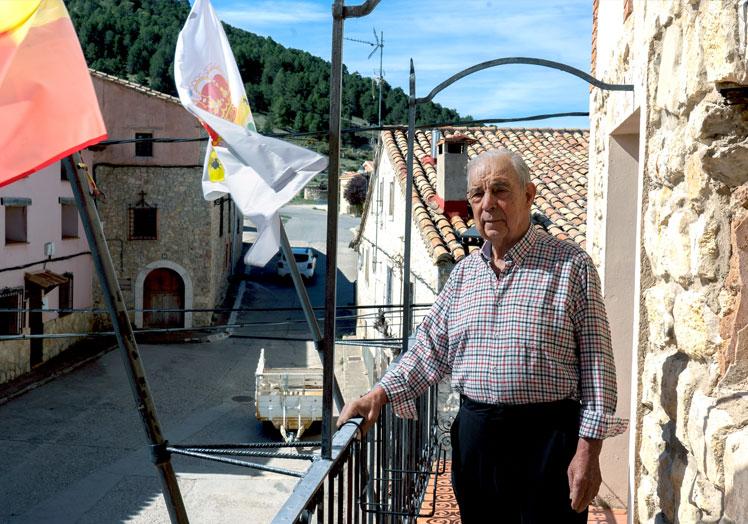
[(451, 181)]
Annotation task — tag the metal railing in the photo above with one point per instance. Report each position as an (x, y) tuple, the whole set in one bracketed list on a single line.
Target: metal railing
[(380, 478)]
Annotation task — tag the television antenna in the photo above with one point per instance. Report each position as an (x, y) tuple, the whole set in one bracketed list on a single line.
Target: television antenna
[(378, 45)]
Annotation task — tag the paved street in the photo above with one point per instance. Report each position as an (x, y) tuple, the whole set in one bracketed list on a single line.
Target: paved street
[(73, 450), (305, 226)]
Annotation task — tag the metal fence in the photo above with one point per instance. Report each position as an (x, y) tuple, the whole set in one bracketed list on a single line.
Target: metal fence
[(380, 478)]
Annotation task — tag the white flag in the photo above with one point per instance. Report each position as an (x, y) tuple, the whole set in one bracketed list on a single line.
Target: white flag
[(260, 173)]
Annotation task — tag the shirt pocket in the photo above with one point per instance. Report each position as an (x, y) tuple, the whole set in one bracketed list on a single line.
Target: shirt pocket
[(539, 328)]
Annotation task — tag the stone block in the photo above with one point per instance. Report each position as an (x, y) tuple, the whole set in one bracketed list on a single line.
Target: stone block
[(712, 119), (686, 511), (697, 181), (737, 362), (696, 326), (652, 447), (710, 236), (668, 91), (659, 301), (676, 245), (708, 426), (721, 41), (646, 498), (694, 376), (707, 498), (736, 476), (726, 160)]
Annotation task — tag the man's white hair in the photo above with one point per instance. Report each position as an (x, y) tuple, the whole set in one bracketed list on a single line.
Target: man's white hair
[(483, 160)]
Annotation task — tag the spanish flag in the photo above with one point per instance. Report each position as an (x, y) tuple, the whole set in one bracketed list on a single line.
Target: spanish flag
[(48, 107)]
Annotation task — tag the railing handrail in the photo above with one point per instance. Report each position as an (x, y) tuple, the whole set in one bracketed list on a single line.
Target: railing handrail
[(316, 474)]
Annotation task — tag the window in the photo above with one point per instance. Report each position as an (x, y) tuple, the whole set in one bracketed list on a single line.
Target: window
[(66, 295), (143, 219), (11, 322), (392, 199), (455, 148), (143, 223), (68, 218), (63, 176), (145, 147), (16, 225)]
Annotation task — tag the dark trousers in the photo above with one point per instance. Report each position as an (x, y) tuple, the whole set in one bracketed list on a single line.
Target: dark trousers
[(509, 462)]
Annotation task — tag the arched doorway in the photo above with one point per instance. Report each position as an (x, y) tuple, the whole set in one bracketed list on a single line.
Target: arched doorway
[(163, 289)]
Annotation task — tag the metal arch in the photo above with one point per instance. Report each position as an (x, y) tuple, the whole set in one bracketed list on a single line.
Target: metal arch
[(526, 61)]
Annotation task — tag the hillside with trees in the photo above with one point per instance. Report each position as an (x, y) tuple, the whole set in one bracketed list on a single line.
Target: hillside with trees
[(135, 39)]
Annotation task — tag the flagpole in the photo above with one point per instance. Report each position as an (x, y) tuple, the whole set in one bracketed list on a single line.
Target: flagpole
[(339, 13), (328, 342), (115, 303), (306, 306)]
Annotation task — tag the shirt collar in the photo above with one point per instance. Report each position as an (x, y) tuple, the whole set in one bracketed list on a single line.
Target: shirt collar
[(518, 251)]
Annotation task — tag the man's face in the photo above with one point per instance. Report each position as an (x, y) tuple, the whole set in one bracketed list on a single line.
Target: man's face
[(501, 206)]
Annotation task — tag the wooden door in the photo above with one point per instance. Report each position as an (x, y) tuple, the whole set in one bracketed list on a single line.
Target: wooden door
[(163, 289)]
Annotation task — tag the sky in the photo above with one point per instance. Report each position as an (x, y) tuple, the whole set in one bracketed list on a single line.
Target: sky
[(444, 37)]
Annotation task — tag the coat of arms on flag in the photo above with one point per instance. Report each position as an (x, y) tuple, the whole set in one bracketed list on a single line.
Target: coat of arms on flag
[(260, 173)]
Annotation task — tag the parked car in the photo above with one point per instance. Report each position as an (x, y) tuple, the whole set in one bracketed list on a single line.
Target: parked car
[(305, 260)]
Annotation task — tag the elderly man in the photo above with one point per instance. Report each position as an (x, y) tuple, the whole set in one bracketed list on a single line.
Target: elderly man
[(521, 326)]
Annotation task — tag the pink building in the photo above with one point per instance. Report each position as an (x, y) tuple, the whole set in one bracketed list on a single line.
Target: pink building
[(45, 263), (171, 248), (131, 110)]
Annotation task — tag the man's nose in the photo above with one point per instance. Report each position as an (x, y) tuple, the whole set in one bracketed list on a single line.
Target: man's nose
[(488, 201)]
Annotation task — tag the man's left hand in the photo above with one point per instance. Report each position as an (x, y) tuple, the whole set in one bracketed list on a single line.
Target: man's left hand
[(584, 473)]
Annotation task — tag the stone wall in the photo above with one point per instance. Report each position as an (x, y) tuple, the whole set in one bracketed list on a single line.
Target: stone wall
[(14, 354), (14, 359), (186, 225), (691, 360)]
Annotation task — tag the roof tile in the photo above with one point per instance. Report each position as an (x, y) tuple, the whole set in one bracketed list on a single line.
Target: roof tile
[(557, 159)]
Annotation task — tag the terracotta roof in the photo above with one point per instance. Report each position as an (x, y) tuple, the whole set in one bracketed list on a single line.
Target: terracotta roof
[(135, 86), (558, 164)]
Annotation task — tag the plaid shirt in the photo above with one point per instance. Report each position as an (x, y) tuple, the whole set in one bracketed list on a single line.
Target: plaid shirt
[(535, 332)]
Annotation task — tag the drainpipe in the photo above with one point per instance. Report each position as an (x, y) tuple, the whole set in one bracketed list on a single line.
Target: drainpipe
[(408, 208)]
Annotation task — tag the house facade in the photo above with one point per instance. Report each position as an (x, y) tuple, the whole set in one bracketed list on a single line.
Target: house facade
[(668, 229), (171, 249), (45, 267)]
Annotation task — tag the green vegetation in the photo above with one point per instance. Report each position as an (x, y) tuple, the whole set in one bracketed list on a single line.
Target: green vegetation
[(135, 39)]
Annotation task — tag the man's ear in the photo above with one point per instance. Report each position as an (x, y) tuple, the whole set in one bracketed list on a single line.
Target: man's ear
[(530, 191)]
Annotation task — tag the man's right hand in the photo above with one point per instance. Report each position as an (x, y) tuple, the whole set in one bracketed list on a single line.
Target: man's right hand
[(367, 406)]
